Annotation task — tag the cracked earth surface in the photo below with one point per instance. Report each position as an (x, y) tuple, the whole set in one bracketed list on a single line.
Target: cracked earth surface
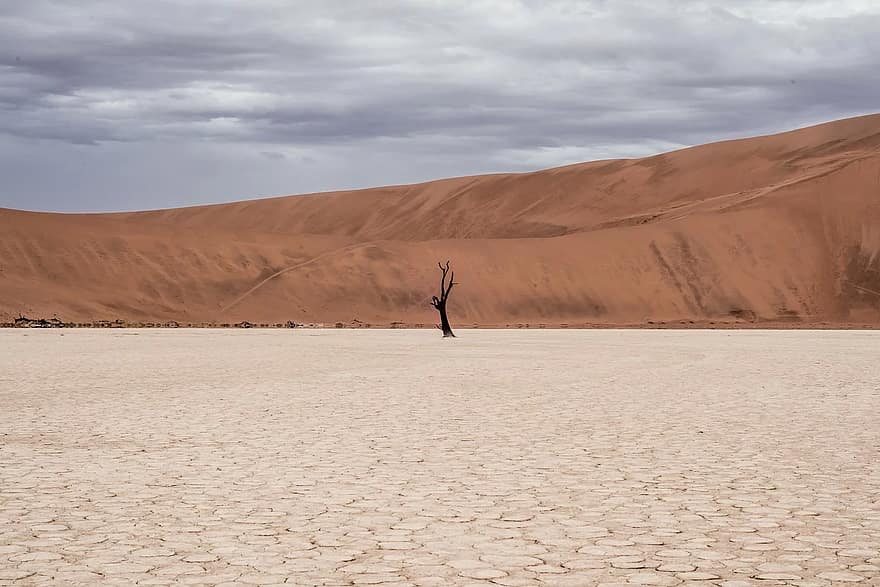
[(397, 458)]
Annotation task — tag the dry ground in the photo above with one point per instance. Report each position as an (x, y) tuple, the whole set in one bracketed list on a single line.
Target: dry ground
[(399, 458)]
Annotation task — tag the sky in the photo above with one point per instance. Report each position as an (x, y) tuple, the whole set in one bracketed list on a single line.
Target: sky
[(145, 104)]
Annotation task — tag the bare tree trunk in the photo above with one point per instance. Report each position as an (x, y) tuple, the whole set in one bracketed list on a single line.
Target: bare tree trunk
[(444, 321), (440, 303)]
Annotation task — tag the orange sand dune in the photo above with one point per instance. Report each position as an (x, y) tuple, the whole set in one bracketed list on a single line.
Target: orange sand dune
[(783, 228)]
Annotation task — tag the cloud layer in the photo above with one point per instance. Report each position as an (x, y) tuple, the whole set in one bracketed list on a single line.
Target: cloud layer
[(108, 105)]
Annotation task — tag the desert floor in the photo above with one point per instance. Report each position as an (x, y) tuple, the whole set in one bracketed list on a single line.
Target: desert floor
[(399, 458)]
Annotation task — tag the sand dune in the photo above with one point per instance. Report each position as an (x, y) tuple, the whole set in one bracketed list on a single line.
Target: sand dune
[(776, 229)]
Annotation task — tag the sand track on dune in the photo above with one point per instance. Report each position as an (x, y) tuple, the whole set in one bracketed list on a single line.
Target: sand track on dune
[(281, 272)]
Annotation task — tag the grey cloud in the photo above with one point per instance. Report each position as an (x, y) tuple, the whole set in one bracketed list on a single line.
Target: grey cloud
[(291, 96)]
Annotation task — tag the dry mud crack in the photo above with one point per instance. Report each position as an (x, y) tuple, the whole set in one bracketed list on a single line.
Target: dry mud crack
[(397, 458)]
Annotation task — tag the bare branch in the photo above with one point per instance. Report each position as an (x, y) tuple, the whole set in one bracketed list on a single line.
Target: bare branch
[(449, 287), (443, 277)]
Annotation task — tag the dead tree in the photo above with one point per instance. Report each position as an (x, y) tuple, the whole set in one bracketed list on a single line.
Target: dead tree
[(440, 303)]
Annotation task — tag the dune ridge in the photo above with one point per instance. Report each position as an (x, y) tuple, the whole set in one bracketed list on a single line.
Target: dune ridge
[(780, 229)]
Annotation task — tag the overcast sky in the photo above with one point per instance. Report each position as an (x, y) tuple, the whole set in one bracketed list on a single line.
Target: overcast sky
[(137, 104)]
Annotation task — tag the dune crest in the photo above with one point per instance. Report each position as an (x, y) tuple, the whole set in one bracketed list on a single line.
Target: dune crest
[(776, 229)]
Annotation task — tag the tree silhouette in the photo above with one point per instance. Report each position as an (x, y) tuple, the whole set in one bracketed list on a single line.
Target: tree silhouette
[(440, 303)]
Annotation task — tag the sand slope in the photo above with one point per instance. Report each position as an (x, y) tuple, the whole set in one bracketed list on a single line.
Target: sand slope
[(783, 228)]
